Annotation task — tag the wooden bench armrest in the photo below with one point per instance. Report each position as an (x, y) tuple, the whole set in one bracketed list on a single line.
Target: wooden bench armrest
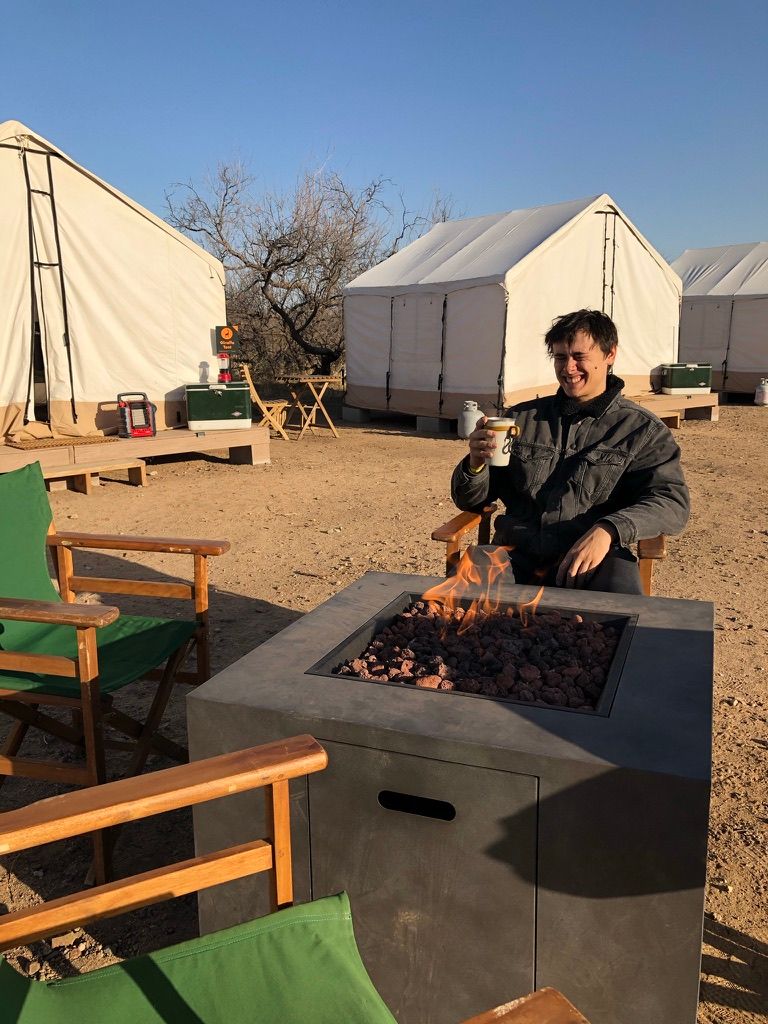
[(547, 1006), (57, 613), (652, 547), (172, 545), (114, 803), (461, 524)]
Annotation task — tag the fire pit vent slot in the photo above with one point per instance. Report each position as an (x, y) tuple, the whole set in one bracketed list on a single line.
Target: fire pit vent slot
[(421, 805)]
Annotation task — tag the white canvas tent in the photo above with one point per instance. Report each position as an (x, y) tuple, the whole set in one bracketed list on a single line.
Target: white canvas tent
[(724, 317), (99, 296), (462, 312)]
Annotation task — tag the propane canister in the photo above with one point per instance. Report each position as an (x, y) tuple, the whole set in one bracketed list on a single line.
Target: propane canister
[(761, 392), (468, 418)]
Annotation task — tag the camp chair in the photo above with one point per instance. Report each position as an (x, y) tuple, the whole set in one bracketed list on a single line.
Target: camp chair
[(272, 410), (452, 533), (300, 963), (55, 652)]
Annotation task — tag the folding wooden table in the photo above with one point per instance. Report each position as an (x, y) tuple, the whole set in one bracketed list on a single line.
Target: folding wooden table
[(307, 391)]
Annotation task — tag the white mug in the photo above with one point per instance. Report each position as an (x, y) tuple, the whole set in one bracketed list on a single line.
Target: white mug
[(504, 429)]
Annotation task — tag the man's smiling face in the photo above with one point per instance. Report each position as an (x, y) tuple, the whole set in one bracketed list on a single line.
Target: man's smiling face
[(581, 366)]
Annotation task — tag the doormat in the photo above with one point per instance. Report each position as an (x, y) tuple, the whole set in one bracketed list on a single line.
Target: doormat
[(58, 442)]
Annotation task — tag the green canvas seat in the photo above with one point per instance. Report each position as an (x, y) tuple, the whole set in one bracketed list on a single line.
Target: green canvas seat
[(300, 964), (128, 649), (56, 652)]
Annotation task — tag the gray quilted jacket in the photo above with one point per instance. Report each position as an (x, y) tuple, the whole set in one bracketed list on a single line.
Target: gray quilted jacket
[(615, 461)]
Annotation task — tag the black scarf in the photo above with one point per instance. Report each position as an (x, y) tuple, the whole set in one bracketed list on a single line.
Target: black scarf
[(595, 406)]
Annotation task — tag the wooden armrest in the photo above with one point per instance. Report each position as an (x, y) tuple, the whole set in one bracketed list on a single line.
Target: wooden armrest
[(455, 528), (172, 545), (547, 1006), (652, 547), (114, 803), (57, 613)]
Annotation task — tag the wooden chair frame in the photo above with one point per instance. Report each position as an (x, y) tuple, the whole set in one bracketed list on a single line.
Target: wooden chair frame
[(269, 766), (92, 710), (452, 533), (272, 411)]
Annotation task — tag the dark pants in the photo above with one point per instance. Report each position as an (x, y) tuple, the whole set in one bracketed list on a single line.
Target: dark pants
[(618, 573)]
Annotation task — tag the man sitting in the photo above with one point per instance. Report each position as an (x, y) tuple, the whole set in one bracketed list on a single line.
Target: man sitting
[(589, 473)]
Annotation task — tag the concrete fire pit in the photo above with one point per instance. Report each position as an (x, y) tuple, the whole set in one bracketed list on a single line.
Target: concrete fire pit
[(488, 846)]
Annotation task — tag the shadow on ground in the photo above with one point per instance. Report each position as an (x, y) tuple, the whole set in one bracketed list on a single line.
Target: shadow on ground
[(237, 624), (738, 978)]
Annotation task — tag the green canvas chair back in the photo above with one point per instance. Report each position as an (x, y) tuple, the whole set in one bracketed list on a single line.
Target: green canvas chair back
[(297, 966), (128, 648), (25, 516)]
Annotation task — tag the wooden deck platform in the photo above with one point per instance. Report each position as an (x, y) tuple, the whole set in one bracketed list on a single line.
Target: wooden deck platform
[(673, 408), (245, 447)]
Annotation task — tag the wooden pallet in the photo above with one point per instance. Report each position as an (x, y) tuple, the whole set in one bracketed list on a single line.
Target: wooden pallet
[(84, 476)]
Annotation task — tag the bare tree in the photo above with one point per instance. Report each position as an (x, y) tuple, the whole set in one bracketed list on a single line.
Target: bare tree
[(289, 256)]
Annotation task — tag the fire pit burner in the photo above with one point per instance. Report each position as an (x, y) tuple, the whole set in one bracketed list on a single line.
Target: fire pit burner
[(554, 658)]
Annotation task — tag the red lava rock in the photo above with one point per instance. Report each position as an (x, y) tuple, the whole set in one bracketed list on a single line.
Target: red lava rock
[(430, 682), (553, 659)]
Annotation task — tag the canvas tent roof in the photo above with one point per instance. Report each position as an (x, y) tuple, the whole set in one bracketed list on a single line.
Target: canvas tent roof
[(461, 313), (15, 133), (725, 270), (481, 250)]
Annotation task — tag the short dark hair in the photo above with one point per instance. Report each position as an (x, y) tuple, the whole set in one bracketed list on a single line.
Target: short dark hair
[(598, 326)]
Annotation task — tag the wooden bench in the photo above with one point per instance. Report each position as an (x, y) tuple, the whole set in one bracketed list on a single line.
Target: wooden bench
[(83, 476)]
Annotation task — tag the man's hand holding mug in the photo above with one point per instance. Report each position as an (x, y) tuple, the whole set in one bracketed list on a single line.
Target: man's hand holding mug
[(491, 441)]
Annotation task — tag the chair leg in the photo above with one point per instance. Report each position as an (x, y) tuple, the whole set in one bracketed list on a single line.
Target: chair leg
[(101, 869), (202, 652), (13, 742), (645, 565), (157, 710), (131, 727)]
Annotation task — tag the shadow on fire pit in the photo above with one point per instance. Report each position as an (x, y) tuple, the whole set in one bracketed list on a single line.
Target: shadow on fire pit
[(646, 842)]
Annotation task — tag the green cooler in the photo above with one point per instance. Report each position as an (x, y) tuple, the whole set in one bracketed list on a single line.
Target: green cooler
[(219, 406), (685, 378)]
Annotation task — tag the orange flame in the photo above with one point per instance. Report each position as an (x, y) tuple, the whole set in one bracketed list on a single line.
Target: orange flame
[(533, 604), (483, 567)]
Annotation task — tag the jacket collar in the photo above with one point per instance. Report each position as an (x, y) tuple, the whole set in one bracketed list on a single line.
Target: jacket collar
[(596, 407)]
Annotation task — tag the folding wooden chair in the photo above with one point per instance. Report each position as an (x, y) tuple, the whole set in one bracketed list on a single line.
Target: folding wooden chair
[(57, 653), (272, 411), (300, 963)]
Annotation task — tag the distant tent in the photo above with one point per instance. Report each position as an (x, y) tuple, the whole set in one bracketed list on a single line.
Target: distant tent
[(98, 295), (724, 317), (461, 313)]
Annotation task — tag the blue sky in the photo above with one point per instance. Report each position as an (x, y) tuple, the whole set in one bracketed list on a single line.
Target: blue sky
[(502, 105)]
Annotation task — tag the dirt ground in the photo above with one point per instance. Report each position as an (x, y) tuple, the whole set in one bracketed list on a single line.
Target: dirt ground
[(323, 513)]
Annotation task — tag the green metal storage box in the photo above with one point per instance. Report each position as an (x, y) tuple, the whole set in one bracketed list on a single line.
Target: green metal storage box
[(685, 378), (219, 406)]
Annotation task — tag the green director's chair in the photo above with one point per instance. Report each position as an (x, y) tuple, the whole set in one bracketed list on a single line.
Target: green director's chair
[(298, 965), (75, 657)]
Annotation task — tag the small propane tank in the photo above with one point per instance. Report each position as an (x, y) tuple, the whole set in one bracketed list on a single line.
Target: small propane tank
[(761, 392), (468, 418)]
